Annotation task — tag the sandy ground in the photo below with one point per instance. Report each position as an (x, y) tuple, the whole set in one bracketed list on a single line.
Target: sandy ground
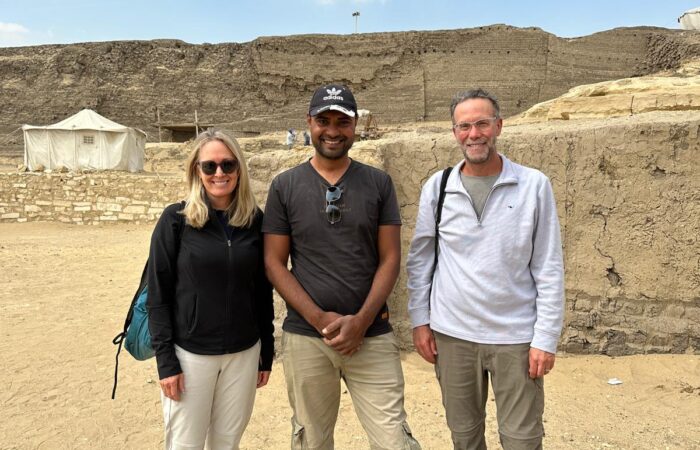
[(65, 291)]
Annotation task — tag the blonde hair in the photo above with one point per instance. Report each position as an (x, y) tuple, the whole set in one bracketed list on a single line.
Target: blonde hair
[(242, 209)]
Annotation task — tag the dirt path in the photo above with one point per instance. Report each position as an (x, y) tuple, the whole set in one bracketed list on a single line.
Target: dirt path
[(65, 290)]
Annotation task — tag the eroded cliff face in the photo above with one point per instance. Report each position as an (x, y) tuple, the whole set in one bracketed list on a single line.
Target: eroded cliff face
[(265, 84), (629, 197)]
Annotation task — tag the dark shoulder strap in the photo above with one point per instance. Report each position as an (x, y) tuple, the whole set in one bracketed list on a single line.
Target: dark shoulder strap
[(438, 211), (182, 222), (144, 274)]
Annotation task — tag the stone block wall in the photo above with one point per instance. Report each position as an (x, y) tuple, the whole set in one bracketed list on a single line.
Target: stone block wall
[(87, 198)]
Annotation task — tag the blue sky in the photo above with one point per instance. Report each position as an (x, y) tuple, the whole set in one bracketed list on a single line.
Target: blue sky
[(67, 21)]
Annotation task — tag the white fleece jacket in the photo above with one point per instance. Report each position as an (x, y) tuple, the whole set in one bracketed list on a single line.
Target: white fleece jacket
[(499, 280)]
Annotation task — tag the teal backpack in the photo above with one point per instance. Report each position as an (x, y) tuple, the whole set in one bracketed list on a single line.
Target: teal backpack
[(135, 335), (138, 339)]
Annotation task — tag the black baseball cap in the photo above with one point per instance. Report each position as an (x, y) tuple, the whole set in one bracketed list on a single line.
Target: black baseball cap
[(334, 97)]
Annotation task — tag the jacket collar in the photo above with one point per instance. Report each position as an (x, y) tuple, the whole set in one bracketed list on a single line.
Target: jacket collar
[(508, 175)]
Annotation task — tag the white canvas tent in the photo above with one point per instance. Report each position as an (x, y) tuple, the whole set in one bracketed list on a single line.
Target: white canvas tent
[(85, 140), (690, 20)]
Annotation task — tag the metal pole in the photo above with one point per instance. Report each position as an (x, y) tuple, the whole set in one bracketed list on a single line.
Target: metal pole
[(196, 126), (356, 14)]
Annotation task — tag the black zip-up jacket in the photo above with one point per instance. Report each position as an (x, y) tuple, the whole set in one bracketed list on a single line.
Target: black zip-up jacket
[(207, 293)]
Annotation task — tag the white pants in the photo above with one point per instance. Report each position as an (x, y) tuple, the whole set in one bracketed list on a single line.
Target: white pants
[(217, 403)]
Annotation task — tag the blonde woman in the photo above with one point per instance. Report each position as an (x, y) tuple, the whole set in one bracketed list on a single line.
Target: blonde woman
[(209, 303)]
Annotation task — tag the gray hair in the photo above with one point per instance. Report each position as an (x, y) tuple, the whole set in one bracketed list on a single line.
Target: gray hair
[(471, 94)]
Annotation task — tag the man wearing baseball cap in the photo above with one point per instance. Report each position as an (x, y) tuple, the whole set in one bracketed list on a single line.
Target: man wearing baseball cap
[(339, 220)]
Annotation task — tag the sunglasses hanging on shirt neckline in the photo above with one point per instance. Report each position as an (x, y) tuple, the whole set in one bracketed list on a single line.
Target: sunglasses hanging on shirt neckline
[(333, 194)]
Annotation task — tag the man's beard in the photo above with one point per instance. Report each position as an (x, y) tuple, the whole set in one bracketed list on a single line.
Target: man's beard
[(481, 157), (332, 154)]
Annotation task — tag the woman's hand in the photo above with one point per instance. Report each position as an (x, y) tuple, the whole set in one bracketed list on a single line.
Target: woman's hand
[(263, 378), (173, 386)]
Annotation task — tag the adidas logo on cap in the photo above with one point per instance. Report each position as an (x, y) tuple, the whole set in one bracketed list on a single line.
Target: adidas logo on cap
[(333, 97)]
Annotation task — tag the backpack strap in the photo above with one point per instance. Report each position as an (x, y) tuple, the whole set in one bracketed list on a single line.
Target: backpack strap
[(438, 211), (119, 339)]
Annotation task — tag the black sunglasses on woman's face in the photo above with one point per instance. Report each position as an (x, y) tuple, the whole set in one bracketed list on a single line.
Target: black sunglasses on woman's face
[(227, 166)]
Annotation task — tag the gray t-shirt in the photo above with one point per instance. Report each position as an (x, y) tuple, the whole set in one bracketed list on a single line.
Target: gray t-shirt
[(334, 263), (478, 189)]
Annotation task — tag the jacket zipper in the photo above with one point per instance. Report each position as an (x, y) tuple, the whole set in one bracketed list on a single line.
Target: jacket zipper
[(228, 298), (479, 220)]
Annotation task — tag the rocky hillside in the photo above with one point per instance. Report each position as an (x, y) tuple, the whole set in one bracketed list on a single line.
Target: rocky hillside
[(671, 90)]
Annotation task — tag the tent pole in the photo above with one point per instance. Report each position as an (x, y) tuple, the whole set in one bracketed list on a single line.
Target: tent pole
[(160, 137), (26, 158), (196, 124)]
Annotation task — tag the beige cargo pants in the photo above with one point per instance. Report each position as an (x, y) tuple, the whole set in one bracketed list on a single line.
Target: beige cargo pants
[(374, 380)]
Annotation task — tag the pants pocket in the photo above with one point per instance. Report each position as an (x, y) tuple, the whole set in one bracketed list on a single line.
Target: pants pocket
[(410, 443), (298, 438)]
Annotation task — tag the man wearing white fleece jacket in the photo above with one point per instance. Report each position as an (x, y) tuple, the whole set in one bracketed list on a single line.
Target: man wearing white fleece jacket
[(493, 305)]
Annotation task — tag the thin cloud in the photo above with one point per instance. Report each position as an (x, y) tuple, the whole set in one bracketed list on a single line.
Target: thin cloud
[(12, 34), (12, 28)]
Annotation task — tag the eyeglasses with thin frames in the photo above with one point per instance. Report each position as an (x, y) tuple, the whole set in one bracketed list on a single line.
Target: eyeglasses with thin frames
[(481, 125), (333, 194)]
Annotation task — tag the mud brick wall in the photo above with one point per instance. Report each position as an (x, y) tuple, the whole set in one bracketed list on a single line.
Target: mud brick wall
[(628, 195), (265, 85)]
